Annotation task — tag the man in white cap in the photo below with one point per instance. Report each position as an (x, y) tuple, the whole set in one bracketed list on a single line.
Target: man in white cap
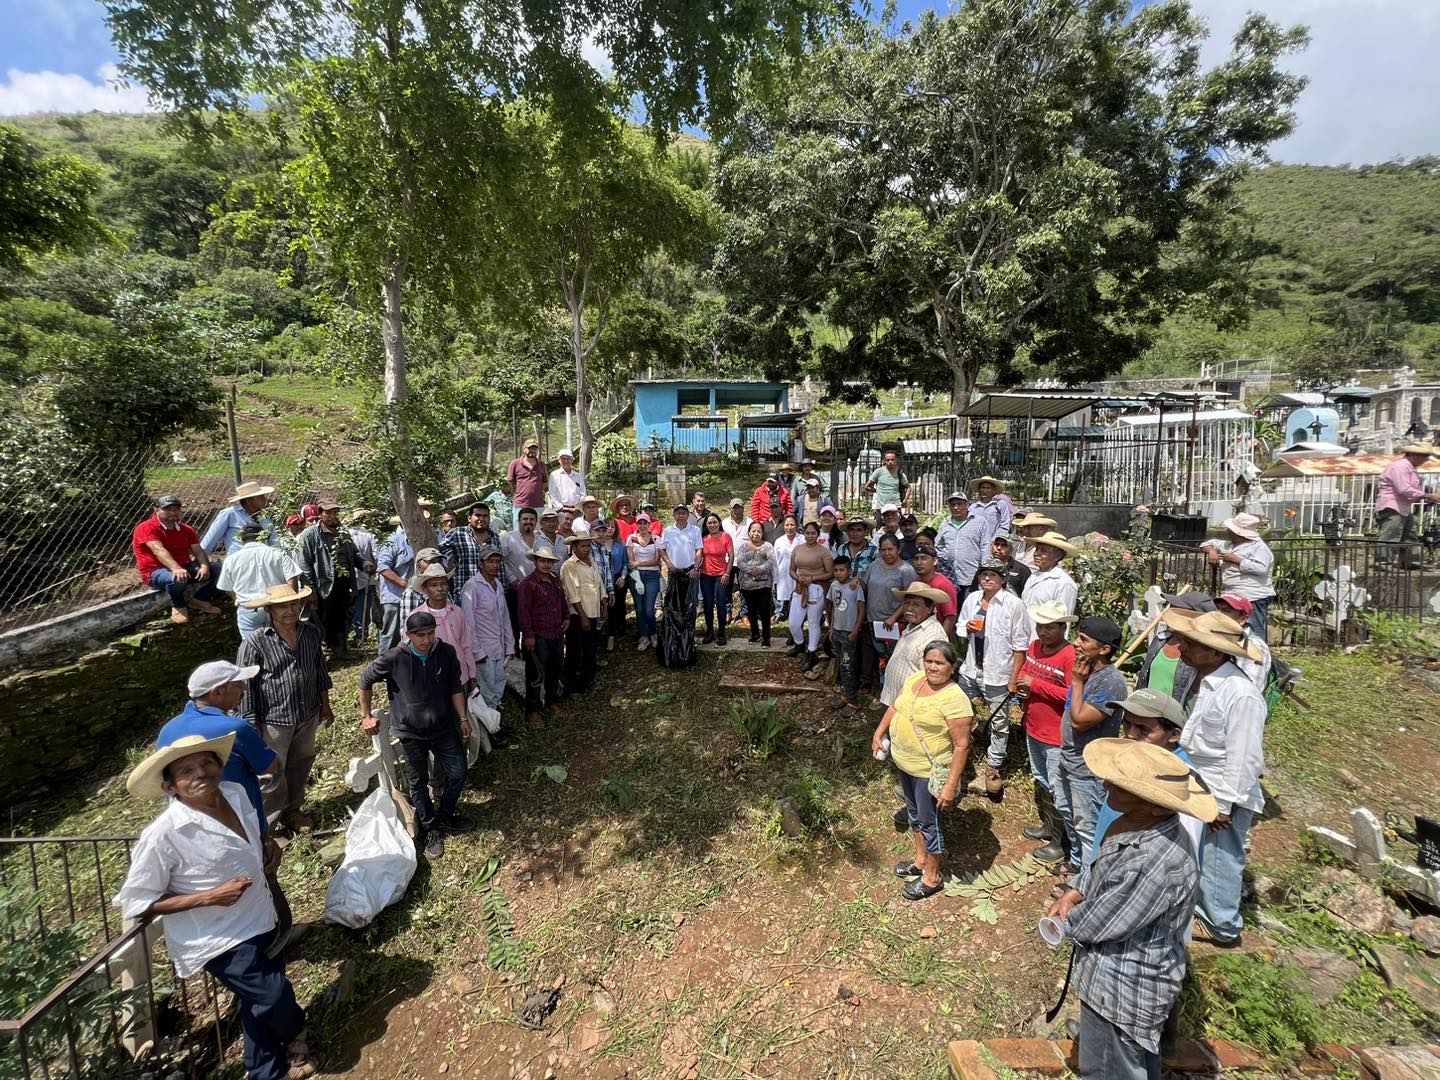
[(990, 506), (1224, 735), (998, 629), (1245, 563), (799, 482), (1126, 911), (962, 543), (203, 866), (567, 486), (1050, 581), (248, 501), (1395, 499), (250, 570)]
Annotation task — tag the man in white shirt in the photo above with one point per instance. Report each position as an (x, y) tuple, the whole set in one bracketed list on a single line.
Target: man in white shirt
[(990, 506), (998, 629), (201, 865), (252, 569), (1050, 582), (1246, 563), (567, 486), (680, 544), (516, 564), (1224, 736)]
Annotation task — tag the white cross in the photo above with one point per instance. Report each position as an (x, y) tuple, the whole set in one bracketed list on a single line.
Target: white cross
[(1342, 594)]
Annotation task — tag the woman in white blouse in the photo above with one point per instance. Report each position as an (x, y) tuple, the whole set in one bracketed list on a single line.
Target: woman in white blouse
[(784, 583)]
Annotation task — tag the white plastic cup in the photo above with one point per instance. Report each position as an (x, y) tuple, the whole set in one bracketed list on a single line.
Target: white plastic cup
[(1052, 931)]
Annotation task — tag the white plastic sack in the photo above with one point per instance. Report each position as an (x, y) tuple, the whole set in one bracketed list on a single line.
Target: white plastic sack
[(482, 714), (379, 863), (479, 743)]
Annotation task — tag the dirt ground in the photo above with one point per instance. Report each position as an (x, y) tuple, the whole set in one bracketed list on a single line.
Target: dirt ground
[(672, 929)]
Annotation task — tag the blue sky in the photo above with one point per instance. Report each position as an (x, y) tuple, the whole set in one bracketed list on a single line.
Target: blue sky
[(1374, 78)]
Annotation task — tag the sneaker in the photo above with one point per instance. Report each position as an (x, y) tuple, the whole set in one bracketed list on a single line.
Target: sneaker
[(434, 845), (179, 615)]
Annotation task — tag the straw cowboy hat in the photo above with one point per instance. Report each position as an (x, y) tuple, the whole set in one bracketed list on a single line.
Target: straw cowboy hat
[(1052, 611), (1217, 631), (279, 594), (620, 499), (359, 515), (543, 550), (430, 573), (919, 588), (1420, 448), (250, 490), (1246, 525), (1153, 773), (1055, 540), (975, 484), (145, 779), (1026, 520), (581, 531)]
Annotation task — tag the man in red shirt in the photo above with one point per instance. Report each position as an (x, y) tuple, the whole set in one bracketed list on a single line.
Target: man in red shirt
[(925, 562), (528, 477), (169, 557), (1044, 684)]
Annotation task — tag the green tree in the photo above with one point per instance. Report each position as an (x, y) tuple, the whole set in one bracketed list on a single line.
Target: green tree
[(45, 202), (602, 203), (1034, 182), (399, 111)]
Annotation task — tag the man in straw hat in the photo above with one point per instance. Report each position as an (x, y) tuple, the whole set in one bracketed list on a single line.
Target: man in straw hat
[(1127, 911), (248, 501), (990, 507), (1225, 737), (917, 612), (1029, 527), (413, 599), (329, 564), (288, 699), (1050, 581), (1245, 563), (203, 865), (1163, 669), (1400, 489), (567, 486), (251, 569), (170, 559), (543, 616), (998, 630), (427, 714), (526, 475), (587, 599), (1043, 686), (451, 626)]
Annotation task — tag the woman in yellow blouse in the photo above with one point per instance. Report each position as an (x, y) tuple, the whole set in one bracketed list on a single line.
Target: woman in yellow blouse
[(931, 707)]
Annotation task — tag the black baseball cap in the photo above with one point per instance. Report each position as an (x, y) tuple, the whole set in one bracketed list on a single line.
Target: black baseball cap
[(1105, 631), (418, 621)]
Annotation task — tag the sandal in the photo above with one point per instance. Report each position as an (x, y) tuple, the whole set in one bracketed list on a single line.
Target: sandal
[(918, 890), (301, 1068), (907, 870)]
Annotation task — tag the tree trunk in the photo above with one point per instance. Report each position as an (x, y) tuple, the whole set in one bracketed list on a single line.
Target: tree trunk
[(402, 485)]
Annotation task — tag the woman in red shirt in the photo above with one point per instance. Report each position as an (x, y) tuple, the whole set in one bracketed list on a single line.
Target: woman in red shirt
[(1044, 684), (717, 555)]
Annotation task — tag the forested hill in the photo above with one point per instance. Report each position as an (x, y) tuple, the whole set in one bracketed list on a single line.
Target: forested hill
[(1352, 258)]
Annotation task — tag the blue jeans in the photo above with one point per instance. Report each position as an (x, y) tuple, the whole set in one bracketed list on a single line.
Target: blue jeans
[(1260, 617), (1082, 796), (645, 602), (163, 580), (993, 696), (449, 763), (251, 620), (270, 1016), (714, 593), (1222, 864), (924, 815), (1107, 1053), (1044, 763), (490, 678)]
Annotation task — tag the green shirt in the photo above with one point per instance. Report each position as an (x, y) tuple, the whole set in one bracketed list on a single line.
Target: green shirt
[(1162, 673), (888, 486)]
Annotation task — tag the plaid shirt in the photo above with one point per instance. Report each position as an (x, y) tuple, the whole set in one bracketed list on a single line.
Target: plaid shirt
[(601, 554), (861, 559), (1130, 928), (461, 552)]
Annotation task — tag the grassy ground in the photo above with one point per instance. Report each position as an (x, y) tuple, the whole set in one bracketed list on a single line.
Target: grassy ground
[(688, 935)]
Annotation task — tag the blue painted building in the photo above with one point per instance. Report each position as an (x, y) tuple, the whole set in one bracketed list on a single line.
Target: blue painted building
[(689, 416)]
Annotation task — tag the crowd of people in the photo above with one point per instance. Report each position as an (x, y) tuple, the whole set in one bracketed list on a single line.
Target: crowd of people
[(964, 635)]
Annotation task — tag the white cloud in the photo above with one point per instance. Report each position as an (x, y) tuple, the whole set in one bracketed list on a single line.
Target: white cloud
[(595, 55), (1374, 76), (50, 91)]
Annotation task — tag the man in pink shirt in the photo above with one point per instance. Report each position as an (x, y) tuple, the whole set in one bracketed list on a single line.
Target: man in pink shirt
[(1399, 490), (528, 477)]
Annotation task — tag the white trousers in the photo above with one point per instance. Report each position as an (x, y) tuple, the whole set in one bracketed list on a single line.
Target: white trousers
[(814, 610)]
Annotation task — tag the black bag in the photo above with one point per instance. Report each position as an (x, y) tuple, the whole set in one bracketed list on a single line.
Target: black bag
[(676, 645)]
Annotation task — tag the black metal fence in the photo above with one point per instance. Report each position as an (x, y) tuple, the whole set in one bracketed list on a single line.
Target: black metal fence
[(1322, 586), (99, 1004)]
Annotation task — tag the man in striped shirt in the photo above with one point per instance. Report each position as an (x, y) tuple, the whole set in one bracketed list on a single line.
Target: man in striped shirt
[(287, 700)]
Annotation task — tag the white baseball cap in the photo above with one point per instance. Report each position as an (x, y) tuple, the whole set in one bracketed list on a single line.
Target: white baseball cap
[(215, 674)]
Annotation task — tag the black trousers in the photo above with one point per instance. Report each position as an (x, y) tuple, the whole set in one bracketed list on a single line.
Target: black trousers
[(758, 603), (581, 651), (544, 665), (512, 603), (333, 614)]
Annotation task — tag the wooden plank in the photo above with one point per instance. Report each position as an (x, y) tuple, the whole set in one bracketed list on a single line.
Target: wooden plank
[(770, 685)]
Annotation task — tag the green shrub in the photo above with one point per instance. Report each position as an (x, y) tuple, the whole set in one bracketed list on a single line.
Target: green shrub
[(1252, 1001), (1398, 637), (759, 723)]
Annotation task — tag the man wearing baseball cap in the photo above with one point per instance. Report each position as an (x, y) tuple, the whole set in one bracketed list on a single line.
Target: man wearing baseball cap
[(1094, 684), (329, 563), (526, 475), (169, 558), (1258, 664)]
